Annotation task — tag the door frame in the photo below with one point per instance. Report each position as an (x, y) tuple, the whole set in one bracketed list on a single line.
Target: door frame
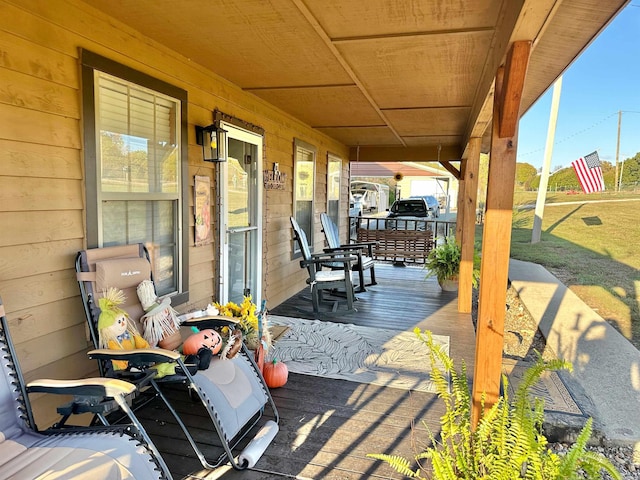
[(223, 217)]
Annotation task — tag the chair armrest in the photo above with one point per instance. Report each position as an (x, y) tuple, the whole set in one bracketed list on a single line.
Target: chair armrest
[(364, 244), (211, 321), (343, 248), (139, 355), (369, 246), (327, 257), (365, 248), (102, 387)]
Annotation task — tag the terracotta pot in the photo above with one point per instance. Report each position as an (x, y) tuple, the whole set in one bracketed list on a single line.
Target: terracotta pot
[(449, 284), (171, 341)]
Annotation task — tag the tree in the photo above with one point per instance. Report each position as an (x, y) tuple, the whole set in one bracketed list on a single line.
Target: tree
[(631, 170), (483, 178), (525, 173)]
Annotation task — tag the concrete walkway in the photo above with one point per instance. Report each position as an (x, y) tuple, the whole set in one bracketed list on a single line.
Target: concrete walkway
[(606, 365)]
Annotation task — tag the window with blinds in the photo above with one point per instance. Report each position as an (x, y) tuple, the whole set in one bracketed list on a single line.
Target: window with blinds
[(303, 188), (138, 169), (334, 180)]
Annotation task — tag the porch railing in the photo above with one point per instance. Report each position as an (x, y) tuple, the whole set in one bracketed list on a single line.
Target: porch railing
[(406, 240)]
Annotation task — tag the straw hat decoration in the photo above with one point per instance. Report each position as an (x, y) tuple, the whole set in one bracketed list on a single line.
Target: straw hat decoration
[(160, 320)]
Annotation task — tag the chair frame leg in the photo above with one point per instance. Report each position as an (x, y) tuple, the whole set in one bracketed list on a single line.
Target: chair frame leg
[(361, 288)]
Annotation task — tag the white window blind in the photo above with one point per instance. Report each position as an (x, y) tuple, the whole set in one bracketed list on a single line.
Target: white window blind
[(138, 172)]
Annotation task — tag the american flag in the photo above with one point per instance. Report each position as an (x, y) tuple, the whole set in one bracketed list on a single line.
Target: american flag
[(589, 173)]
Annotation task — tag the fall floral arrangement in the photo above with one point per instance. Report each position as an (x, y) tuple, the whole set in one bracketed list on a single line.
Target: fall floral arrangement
[(247, 313)]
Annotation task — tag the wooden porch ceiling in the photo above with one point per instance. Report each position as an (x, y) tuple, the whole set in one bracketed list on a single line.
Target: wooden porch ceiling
[(413, 77), (389, 169)]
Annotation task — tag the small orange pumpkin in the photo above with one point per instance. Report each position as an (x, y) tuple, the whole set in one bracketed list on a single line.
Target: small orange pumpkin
[(207, 338), (275, 374)]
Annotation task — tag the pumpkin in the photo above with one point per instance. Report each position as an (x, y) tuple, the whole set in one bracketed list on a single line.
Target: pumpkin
[(207, 338), (275, 374), (171, 341)]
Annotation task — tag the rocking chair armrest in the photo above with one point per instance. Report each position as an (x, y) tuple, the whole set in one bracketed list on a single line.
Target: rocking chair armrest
[(138, 355), (99, 387), (344, 248), (363, 245), (318, 258), (368, 246), (211, 321)]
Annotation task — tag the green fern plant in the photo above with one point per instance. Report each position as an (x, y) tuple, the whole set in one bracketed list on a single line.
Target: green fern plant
[(508, 442), (443, 261)]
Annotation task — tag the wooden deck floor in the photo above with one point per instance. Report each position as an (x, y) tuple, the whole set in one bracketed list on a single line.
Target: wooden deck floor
[(328, 426)]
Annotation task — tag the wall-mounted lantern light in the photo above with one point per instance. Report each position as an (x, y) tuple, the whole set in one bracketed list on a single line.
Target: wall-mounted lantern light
[(214, 143)]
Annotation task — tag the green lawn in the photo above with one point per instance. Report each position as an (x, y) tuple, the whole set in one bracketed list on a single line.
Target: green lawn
[(529, 198), (594, 248)]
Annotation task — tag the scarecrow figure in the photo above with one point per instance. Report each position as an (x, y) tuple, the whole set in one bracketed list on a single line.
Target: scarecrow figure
[(115, 328), (160, 320)]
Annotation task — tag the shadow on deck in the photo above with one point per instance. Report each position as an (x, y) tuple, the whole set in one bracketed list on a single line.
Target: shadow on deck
[(328, 426)]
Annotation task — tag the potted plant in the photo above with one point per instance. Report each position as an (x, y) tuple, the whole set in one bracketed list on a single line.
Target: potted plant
[(443, 262)]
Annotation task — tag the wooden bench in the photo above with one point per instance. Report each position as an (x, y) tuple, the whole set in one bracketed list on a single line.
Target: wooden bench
[(410, 246)]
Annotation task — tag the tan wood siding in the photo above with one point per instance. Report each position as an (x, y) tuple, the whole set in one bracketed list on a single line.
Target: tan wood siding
[(42, 181)]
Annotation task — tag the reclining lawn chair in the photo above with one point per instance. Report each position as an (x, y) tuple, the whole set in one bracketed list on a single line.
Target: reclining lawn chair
[(362, 251), (116, 452), (325, 280), (233, 391)]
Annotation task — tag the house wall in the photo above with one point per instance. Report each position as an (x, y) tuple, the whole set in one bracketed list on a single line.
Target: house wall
[(42, 180)]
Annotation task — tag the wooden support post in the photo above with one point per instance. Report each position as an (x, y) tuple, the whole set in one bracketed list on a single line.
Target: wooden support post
[(511, 91), (459, 208), (466, 223), (496, 245)]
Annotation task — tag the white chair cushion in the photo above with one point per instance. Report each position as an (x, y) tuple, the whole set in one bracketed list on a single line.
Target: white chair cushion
[(366, 260), (329, 275)]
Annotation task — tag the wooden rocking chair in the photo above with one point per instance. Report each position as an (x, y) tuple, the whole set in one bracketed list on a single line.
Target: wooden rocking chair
[(362, 251), (325, 280)]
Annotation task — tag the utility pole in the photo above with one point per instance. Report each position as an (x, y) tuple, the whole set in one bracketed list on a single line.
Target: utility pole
[(536, 232), (617, 183)]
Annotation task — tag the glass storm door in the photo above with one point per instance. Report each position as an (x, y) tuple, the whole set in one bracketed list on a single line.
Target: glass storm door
[(241, 212)]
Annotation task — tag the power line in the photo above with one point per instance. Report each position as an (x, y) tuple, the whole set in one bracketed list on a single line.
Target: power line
[(580, 132)]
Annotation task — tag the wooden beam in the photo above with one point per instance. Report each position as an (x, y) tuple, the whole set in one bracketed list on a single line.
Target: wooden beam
[(460, 211), (404, 154), (466, 223), (496, 244), (508, 18), (331, 46), (450, 168), (511, 93)]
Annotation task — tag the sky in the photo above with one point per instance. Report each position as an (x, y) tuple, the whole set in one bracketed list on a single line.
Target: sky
[(603, 80)]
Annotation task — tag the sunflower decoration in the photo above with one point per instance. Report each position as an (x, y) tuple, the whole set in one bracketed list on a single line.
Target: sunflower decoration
[(248, 324)]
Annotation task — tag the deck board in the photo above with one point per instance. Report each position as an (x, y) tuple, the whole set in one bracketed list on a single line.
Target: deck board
[(403, 299), (328, 426)]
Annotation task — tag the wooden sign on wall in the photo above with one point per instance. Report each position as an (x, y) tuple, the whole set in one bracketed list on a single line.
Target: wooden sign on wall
[(274, 179)]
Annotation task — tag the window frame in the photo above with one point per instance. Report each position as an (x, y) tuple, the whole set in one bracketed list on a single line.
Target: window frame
[(301, 144), (336, 159), (90, 62)]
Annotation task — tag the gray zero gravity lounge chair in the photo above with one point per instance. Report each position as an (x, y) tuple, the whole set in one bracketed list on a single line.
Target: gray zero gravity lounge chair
[(96, 452), (232, 393)]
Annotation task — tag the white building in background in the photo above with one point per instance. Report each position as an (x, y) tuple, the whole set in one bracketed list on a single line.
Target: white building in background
[(373, 197), (411, 179)]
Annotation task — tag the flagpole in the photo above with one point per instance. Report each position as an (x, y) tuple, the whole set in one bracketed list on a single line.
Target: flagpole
[(536, 232), (617, 184)]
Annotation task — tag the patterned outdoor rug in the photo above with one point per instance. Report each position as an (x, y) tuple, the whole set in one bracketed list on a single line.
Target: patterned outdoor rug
[(360, 354)]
